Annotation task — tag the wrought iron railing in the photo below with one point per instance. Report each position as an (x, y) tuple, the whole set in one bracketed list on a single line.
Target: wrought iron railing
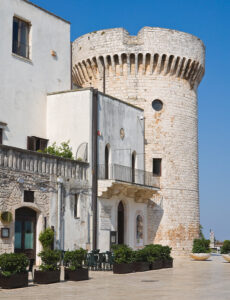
[(127, 174)]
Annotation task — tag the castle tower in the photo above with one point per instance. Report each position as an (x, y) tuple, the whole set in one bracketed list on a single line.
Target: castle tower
[(158, 70)]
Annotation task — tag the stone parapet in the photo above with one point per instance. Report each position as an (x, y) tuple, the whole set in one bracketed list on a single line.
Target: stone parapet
[(29, 161)]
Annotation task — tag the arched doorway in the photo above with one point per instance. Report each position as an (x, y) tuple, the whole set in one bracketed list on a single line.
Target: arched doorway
[(25, 232), (120, 223)]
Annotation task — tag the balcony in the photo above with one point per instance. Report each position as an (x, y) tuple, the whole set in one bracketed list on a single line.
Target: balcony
[(123, 182), (127, 174), (34, 162)]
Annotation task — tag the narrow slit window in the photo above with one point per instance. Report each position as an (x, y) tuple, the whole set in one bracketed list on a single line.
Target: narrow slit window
[(76, 206), (157, 166)]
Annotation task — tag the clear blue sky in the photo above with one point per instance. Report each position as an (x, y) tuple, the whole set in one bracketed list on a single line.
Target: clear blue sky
[(210, 21)]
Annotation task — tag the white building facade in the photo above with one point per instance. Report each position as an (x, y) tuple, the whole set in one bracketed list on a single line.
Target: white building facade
[(93, 201)]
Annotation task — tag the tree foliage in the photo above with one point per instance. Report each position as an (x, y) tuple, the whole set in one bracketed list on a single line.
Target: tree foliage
[(64, 150), (46, 238)]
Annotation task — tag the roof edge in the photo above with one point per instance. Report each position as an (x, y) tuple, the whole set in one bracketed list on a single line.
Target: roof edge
[(46, 11)]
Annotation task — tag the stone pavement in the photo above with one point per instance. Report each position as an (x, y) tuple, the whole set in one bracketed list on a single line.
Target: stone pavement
[(187, 280)]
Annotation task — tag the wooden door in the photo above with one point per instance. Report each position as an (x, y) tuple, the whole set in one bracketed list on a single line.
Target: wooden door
[(120, 223)]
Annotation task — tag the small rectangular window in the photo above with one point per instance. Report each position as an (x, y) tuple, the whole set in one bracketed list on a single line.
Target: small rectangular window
[(157, 166), (1, 136), (76, 206), (20, 37), (29, 196), (35, 143)]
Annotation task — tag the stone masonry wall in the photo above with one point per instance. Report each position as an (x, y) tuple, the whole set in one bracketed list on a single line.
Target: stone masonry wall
[(156, 64), (11, 198)]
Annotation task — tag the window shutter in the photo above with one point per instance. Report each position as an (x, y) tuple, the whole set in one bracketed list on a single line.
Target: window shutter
[(43, 144), (31, 143)]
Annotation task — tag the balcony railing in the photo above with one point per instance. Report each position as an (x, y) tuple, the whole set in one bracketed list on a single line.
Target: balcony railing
[(34, 162), (127, 174)]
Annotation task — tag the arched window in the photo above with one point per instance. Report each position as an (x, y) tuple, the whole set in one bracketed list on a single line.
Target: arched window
[(133, 166), (139, 230), (107, 161)]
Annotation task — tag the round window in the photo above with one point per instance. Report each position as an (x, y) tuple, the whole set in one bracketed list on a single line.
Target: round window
[(157, 104)]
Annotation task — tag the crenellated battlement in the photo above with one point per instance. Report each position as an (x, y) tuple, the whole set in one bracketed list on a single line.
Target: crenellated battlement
[(154, 51)]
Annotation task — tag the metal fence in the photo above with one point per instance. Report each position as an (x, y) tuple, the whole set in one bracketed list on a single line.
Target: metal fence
[(127, 174)]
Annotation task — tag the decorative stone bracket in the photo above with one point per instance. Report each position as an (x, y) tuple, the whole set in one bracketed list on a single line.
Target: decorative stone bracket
[(114, 188)]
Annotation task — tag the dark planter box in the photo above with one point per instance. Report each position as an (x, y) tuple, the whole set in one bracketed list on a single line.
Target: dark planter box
[(123, 268), (14, 281), (46, 277), (156, 265), (141, 266), (79, 274), (167, 263)]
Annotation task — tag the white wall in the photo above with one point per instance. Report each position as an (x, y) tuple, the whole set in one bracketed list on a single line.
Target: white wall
[(112, 116), (131, 210), (25, 83), (69, 118)]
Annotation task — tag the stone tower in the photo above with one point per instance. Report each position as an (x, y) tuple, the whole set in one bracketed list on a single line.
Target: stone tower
[(157, 64)]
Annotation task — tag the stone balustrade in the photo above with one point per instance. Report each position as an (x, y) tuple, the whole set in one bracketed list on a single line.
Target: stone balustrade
[(34, 162)]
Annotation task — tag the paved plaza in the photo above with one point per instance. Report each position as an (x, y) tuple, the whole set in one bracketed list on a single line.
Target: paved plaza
[(187, 280)]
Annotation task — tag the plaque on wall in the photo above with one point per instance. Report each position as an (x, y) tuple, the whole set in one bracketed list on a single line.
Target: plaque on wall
[(5, 233), (105, 217)]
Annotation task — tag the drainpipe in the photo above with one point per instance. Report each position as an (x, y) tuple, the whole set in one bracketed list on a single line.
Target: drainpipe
[(58, 236), (71, 65), (94, 164)]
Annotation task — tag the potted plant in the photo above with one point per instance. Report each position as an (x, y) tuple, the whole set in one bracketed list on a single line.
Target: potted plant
[(6, 217), (46, 238), (200, 250), (140, 260), (225, 250), (123, 259), (154, 256), (74, 261), (50, 268), (13, 270), (166, 257)]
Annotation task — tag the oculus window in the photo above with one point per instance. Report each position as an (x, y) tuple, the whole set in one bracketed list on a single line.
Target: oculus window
[(157, 105)]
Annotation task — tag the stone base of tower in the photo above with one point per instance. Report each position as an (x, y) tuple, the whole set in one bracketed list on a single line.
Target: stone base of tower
[(169, 224)]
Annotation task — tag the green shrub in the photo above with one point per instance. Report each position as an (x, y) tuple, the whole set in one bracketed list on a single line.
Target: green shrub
[(50, 260), (12, 263), (75, 259), (63, 151), (225, 249), (166, 253), (153, 252), (139, 255), (201, 246), (123, 254), (46, 238)]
